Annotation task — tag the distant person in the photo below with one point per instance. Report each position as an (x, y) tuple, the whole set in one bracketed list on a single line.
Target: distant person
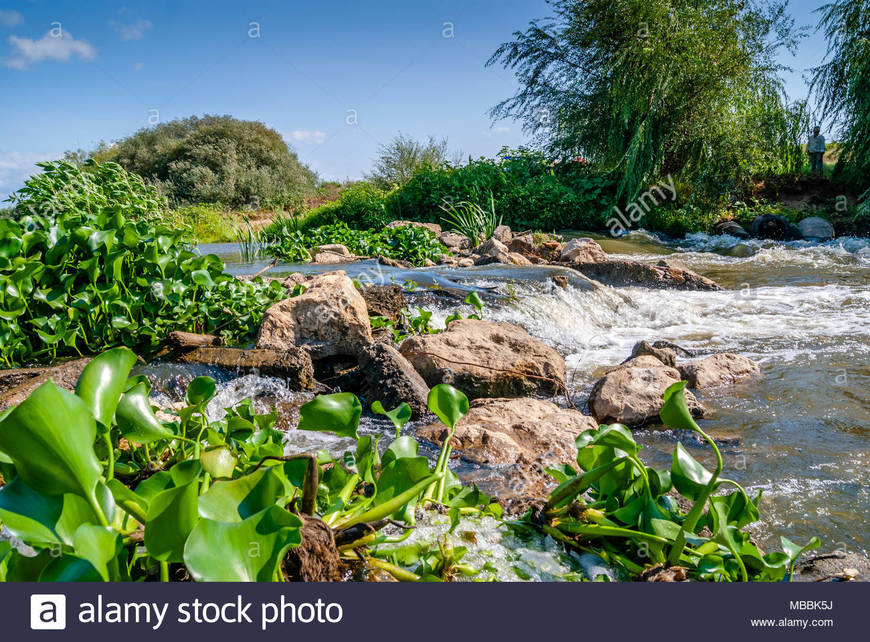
[(816, 150)]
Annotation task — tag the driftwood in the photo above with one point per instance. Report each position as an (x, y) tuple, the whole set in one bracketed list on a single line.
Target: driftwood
[(189, 340)]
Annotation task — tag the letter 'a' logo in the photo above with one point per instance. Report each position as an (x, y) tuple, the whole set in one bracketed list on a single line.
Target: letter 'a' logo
[(48, 612)]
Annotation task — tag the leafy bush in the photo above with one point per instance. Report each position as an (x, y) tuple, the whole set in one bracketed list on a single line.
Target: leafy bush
[(361, 205), (88, 278), (192, 497), (92, 187), (207, 222), (215, 159), (407, 243), (403, 157)]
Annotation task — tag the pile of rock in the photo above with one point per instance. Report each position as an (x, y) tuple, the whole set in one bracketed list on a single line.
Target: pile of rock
[(632, 392), (778, 228)]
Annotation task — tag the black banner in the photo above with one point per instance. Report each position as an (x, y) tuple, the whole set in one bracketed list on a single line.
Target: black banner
[(450, 612)]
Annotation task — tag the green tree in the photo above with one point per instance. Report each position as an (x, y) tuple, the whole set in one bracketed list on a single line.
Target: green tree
[(656, 87), (843, 85), (214, 159), (403, 157)]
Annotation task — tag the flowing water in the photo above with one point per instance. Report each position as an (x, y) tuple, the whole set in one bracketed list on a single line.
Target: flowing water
[(801, 310)]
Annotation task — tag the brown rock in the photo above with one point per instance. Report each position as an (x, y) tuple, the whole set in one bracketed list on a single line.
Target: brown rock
[(485, 359), (329, 319), (719, 370), (582, 250), (666, 355), (384, 300), (632, 394), (16, 384), (514, 431), (503, 233), (455, 241), (667, 273), (388, 377), (333, 253), (516, 258), (185, 340), (292, 363), (493, 247)]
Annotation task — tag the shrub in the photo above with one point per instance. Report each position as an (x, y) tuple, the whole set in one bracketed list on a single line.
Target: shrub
[(361, 206), (215, 159), (207, 222), (403, 157), (88, 278)]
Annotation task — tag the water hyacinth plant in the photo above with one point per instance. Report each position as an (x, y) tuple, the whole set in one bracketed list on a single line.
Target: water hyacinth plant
[(104, 490)]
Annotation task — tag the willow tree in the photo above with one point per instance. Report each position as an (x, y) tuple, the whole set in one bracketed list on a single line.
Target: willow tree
[(843, 84), (655, 87)]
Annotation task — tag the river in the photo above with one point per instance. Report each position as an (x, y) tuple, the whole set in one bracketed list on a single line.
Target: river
[(802, 310)]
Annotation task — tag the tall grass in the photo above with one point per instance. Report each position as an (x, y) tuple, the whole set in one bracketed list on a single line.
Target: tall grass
[(250, 240), (471, 220)]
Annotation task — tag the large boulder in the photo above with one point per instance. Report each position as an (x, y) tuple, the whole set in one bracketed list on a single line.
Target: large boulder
[(388, 377), (503, 233), (815, 228), (633, 393), (582, 250), (329, 319), (292, 364), (666, 273), (491, 247), (514, 431), (719, 370), (486, 359)]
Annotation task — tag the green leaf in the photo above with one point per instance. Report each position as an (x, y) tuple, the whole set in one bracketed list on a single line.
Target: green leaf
[(102, 382), (400, 415), (201, 390), (99, 546), (688, 476), (136, 419), (337, 413), (49, 438), (172, 514), (404, 446), (675, 413), (245, 551), (238, 499), (612, 436), (219, 462), (449, 404), (39, 519), (474, 299)]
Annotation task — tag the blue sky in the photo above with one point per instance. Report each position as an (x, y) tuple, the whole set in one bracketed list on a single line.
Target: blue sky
[(75, 73)]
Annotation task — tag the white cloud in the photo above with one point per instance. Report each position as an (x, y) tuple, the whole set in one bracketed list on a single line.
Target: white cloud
[(132, 31), (61, 47), (10, 18), (15, 167), (314, 136)]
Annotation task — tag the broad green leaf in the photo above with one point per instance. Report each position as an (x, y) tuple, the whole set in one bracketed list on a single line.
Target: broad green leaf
[(201, 390), (245, 551), (219, 462), (612, 436), (400, 415), (238, 499), (449, 404), (99, 546), (675, 413), (39, 519), (172, 514), (49, 438), (337, 413), (404, 446), (102, 382), (688, 476), (136, 419), (69, 568)]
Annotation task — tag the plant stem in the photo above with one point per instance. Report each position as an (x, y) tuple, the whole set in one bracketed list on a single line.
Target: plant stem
[(164, 571), (110, 468)]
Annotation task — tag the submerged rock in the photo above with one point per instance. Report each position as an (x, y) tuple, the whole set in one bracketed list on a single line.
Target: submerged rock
[(329, 319), (732, 228), (815, 228), (291, 364), (666, 273), (718, 370), (388, 377), (633, 393), (486, 359), (773, 226), (514, 431)]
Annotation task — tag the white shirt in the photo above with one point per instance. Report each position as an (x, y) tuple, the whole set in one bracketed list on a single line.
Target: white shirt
[(816, 144)]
